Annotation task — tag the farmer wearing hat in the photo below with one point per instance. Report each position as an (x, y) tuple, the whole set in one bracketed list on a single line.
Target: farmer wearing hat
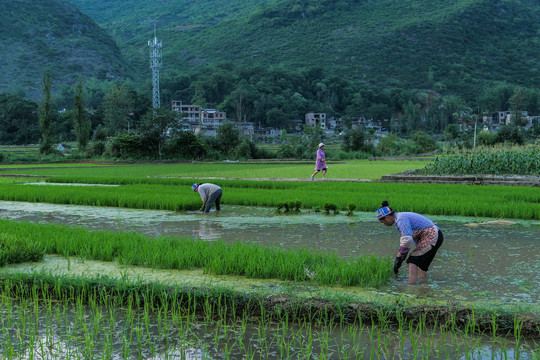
[(320, 164), (210, 194), (417, 232)]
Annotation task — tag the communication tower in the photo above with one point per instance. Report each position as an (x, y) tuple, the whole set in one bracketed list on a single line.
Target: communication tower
[(155, 65)]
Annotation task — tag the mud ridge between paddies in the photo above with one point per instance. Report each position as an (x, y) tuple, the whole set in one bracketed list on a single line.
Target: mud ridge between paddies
[(274, 297)]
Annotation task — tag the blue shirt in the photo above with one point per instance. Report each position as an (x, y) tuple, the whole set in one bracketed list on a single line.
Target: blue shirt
[(409, 222)]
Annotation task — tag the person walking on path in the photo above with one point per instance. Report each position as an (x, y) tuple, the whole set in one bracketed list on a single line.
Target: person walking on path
[(320, 164), (210, 194), (417, 232)]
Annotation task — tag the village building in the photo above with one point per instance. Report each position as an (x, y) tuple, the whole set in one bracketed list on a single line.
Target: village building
[(313, 119), (198, 120)]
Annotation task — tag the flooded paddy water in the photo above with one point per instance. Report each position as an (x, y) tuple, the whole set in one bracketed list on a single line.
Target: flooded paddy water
[(496, 263), (490, 263)]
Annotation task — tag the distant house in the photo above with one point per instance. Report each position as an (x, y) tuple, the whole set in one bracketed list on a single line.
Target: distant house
[(295, 126), (268, 133), (313, 119), (335, 123), (533, 120), (246, 128), (504, 117), (196, 119)]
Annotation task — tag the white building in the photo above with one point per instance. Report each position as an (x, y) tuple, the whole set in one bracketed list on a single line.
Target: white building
[(196, 119)]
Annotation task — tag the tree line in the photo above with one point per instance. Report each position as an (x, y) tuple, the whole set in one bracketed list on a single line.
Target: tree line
[(120, 113)]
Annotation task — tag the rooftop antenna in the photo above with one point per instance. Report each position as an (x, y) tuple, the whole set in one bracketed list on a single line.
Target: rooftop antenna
[(155, 65)]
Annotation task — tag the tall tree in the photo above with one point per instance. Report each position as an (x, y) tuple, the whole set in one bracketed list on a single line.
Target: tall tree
[(241, 101), (155, 127), (117, 110), (82, 122), (45, 125), (517, 105), (228, 137), (411, 117)]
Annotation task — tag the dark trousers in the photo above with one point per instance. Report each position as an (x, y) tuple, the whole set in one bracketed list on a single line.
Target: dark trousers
[(213, 198)]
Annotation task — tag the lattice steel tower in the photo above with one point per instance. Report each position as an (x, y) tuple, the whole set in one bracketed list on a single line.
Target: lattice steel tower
[(155, 65)]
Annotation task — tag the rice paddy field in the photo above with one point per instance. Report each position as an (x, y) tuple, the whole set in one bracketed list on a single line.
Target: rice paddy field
[(358, 169), (111, 261)]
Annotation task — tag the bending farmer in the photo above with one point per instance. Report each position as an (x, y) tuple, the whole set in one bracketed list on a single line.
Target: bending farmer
[(417, 232), (210, 194)]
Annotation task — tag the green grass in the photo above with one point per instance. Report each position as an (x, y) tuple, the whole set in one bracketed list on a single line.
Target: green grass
[(359, 169)]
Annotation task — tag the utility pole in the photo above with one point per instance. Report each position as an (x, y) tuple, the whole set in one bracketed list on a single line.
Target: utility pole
[(475, 122), (155, 65)]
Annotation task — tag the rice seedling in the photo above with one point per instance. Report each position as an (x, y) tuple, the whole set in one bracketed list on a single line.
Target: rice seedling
[(83, 331), (330, 207), (350, 209), (175, 195), (185, 253)]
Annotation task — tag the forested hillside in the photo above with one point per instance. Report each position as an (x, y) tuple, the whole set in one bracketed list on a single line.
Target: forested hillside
[(35, 35), (448, 46)]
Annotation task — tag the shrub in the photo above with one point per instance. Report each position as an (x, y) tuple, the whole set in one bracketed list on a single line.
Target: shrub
[(126, 146), (95, 148), (184, 145), (424, 141)]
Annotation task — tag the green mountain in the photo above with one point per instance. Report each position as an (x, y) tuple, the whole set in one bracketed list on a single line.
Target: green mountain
[(35, 35), (451, 46)]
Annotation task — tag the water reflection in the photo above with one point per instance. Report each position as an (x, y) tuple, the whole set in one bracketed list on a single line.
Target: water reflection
[(494, 263)]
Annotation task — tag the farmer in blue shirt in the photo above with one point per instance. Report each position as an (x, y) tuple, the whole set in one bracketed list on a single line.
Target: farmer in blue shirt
[(417, 232)]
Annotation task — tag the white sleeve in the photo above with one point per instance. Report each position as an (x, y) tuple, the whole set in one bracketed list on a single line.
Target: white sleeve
[(405, 243)]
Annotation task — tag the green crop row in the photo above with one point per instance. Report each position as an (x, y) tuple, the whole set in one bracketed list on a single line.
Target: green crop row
[(176, 194), (218, 258), (502, 162)]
